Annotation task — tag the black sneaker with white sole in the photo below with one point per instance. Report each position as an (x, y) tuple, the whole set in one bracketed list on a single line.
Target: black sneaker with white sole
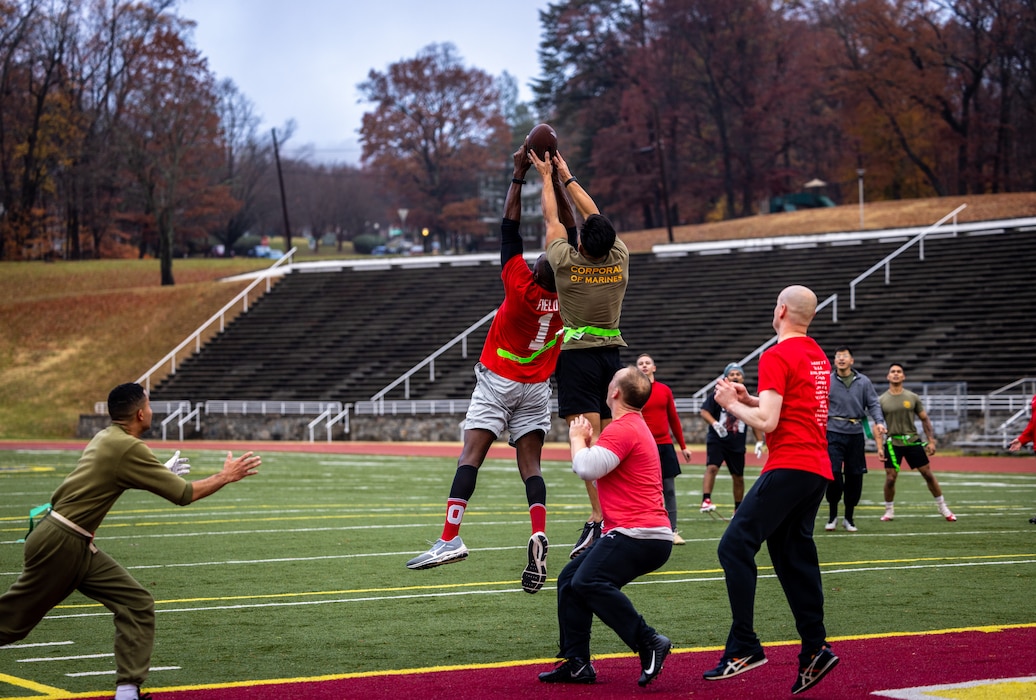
[(730, 666), (590, 534), (819, 665), (652, 656), (574, 670), (535, 574)]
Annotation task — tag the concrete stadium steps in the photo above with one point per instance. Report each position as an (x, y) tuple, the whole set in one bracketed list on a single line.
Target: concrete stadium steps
[(964, 313)]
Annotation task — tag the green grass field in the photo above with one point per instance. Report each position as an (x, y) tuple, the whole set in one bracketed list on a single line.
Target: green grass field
[(299, 572)]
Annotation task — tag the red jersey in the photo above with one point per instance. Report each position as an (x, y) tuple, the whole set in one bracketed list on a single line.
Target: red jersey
[(1029, 434), (526, 323), (798, 370), (661, 417), (631, 494)]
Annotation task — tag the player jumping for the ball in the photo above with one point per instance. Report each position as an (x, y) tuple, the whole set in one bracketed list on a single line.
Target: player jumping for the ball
[(512, 390), (591, 274)]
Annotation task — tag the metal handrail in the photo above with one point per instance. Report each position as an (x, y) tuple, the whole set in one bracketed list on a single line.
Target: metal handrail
[(429, 361), (886, 261), (831, 300), (272, 407), (331, 418), (182, 420), (169, 419), (159, 407), (934, 403), (145, 378), (1028, 385)]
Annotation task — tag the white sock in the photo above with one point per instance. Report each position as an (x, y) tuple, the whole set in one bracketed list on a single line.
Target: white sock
[(127, 691), (940, 500), (888, 505)]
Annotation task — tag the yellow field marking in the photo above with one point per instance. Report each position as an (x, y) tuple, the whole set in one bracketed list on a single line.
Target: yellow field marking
[(870, 562), (920, 559), (479, 584), (29, 685)]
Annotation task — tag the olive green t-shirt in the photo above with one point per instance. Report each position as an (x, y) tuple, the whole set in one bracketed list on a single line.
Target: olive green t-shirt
[(590, 293), (900, 410), (114, 462)]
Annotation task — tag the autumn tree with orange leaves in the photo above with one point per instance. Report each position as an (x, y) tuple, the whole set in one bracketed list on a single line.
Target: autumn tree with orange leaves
[(436, 126)]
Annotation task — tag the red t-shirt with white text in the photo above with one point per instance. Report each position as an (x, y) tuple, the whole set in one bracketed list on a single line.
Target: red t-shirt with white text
[(798, 370)]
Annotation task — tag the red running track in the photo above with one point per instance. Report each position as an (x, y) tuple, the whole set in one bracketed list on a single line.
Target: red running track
[(867, 666)]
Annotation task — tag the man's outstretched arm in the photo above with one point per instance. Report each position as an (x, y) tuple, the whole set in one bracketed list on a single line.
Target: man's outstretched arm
[(510, 237), (580, 197), (551, 221)]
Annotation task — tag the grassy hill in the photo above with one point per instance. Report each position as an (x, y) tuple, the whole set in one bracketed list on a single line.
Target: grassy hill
[(73, 330)]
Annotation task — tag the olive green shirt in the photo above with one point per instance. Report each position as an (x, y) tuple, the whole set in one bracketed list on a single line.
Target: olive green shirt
[(590, 293), (114, 462), (900, 410)]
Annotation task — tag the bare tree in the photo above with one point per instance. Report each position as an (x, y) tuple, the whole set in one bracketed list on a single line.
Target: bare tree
[(175, 147)]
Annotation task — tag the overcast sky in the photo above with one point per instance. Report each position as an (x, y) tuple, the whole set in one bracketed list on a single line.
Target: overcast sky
[(302, 60)]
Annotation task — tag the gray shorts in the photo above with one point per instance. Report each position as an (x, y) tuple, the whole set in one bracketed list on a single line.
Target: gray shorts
[(498, 404)]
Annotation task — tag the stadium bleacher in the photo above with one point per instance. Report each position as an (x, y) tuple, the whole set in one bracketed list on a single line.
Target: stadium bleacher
[(962, 314)]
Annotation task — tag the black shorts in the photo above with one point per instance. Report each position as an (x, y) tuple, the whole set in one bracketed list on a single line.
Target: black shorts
[(670, 464), (846, 449), (718, 453), (583, 377), (913, 455)]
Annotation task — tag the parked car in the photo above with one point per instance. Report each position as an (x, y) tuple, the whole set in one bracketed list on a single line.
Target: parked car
[(265, 251)]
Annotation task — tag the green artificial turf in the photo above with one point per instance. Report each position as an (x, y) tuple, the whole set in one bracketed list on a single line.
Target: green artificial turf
[(299, 572)]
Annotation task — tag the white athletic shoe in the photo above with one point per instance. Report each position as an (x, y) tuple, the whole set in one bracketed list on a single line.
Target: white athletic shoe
[(707, 506), (832, 525), (948, 514), (848, 525), (442, 552), (889, 515)]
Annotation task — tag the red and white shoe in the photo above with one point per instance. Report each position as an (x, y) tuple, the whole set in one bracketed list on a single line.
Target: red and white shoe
[(889, 515), (948, 514)]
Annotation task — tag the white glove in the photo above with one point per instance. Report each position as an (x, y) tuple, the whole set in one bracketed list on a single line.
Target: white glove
[(759, 448), (178, 465), (720, 430)]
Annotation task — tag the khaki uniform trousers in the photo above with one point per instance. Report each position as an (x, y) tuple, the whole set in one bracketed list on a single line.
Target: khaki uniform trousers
[(58, 561)]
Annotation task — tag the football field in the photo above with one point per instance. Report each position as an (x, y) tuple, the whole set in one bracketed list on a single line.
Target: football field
[(297, 576)]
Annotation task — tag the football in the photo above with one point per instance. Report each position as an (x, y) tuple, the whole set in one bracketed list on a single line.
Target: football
[(542, 139)]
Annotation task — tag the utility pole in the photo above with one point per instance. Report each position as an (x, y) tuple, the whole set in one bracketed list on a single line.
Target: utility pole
[(284, 202)]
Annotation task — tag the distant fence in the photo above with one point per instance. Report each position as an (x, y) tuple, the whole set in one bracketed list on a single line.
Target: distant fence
[(980, 420)]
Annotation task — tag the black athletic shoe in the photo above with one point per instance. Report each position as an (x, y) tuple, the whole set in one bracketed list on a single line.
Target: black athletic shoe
[(730, 666), (590, 534), (818, 667), (535, 574), (573, 670), (652, 657)]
